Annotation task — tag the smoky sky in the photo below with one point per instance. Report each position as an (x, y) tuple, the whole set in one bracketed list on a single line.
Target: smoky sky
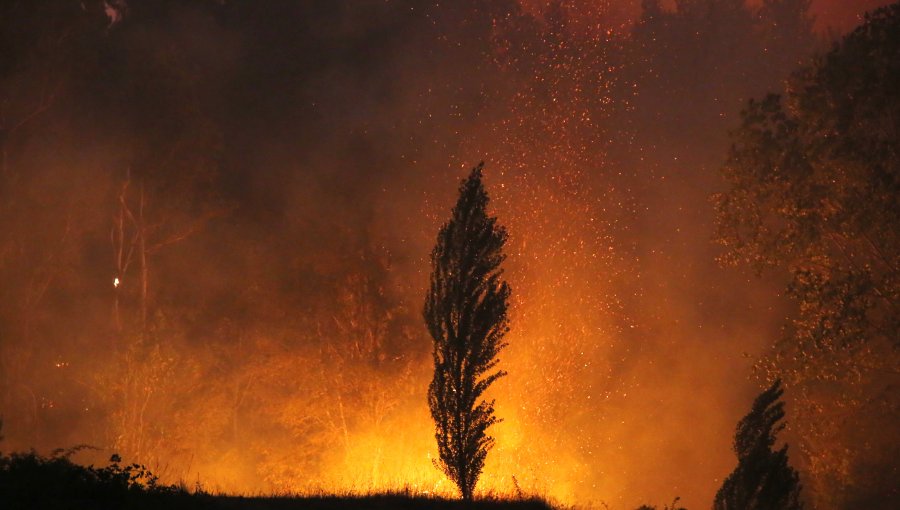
[(295, 160), (287, 77)]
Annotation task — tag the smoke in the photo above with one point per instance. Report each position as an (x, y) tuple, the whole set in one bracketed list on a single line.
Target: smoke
[(287, 165)]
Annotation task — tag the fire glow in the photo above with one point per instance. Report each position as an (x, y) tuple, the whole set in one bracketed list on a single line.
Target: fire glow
[(270, 179)]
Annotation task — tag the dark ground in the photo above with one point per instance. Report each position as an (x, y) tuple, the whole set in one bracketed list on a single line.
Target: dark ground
[(33, 482), (191, 501)]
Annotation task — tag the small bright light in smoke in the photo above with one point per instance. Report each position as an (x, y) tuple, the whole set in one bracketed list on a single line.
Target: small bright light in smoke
[(116, 283)]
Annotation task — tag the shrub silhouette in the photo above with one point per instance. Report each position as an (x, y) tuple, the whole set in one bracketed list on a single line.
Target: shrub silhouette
[(667, 507), (31, 480), (762, 480)]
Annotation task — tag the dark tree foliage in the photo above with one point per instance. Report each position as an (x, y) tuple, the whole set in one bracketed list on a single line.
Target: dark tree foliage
[(466, 314), (814, 187), (29, 480), (815, 180), (763, 479)]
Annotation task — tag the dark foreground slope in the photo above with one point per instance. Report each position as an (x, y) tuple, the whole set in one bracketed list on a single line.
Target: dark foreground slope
[(383, 501), (30, 481), (202, 501)]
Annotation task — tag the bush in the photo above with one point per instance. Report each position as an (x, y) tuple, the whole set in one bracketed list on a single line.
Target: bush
[(29, 480)]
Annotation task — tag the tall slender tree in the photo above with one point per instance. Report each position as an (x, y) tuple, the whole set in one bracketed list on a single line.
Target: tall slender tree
[(763, 479), (466, 314)]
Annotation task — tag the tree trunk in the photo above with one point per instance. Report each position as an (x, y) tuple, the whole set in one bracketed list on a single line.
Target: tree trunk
[(142, 247)]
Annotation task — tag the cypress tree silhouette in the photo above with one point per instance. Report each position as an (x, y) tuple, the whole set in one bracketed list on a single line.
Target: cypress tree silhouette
[(763, 479), (466, 314)]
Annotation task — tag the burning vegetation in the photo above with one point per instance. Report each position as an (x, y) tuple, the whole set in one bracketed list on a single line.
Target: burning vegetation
[(215, 221)]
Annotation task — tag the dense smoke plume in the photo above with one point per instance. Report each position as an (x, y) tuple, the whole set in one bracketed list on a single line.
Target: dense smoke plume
[(216, 217)]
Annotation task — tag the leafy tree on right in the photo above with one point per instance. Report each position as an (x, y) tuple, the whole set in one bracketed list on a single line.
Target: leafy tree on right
[(814, 188)]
